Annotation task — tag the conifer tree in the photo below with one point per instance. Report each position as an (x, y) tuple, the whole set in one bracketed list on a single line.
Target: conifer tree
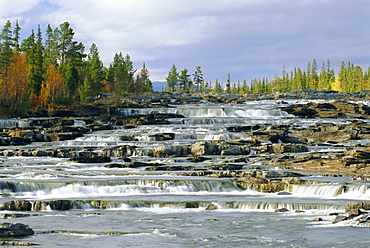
[(94, 70), (218, 88), (184, 80), (6, 46), (198, 77), (35, 58), (17, 35), (172, 79), (142, 82)]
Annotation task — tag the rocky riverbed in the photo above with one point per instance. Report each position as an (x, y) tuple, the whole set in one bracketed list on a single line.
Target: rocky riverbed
[(336, 146)]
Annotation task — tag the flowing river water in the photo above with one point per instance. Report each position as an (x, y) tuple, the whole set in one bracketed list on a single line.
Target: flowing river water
[(134, 207)]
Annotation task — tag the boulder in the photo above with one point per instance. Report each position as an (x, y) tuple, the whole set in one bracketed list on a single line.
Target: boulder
[(170, 151), (357, 205), (281, 210), (339, 218), (93, 159), (119, 151), (205, 148), (198, 159), (20, 205), (162, 137), (15, 229), (212, 206), (192, 205)]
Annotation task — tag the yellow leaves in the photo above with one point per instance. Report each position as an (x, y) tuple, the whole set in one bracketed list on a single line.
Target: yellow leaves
[(336, 85), (53, 87), (14, 86)]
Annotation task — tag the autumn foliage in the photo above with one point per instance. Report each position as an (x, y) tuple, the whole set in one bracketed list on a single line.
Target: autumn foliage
[(14, 86)]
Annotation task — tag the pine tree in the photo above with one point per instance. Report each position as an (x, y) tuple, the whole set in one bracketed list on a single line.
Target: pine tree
[(218, 88), (17, 36), (184, 80), (6, 46), (51, 47), (142, 82), (244, 89), (34, 50), (94, 70), (172, 79), (198, 77), (84, 90)]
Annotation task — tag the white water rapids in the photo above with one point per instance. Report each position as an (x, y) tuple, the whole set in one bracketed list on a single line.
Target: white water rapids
[(134, 207)]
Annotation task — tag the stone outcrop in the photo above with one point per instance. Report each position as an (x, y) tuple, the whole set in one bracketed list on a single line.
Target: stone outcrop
[(352, 162), (15, 230), (20, 205), (338, 109)]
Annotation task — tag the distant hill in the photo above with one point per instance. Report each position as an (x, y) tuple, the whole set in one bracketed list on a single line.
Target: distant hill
[(158, 86)]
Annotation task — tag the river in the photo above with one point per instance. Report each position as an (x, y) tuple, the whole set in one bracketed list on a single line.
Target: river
[(134, 207)]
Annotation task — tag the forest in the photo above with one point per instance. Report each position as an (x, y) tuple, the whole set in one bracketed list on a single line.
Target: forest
[(50, 69)]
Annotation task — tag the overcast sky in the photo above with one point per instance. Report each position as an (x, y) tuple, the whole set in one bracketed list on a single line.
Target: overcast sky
[(246, 38)]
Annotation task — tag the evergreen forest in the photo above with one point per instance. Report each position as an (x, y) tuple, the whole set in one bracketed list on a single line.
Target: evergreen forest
[(50, 69)]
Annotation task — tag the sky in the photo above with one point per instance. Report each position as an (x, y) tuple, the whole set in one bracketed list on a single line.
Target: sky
[(246, 38)]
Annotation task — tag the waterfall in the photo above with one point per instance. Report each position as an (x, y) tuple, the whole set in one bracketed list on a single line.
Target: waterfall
[(317, 190)]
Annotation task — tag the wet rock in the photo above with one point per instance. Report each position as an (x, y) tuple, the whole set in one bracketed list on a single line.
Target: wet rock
[(16, 243), (192, 205), (19, 141), (212, 206), (137, 164), (339, 218), (162, 137), (40, 153), (15, 229), (169, 168), (60, 204), (357, 205), (220, 148), (281, 210), (205, 148), (115, 165), (20, 205), (288, 148), (228, 167), (317, 219), (198, 159), (354, 213), (364, 219), (16, 215), (63, 136), (170, 151), (283, 193), (120, 151), (93, 159)]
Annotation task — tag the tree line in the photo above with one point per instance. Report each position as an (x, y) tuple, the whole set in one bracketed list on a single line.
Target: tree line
[(51, 69), (45, 71), (350, 78)]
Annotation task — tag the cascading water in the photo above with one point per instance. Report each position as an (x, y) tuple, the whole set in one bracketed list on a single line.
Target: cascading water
[(91, 205)]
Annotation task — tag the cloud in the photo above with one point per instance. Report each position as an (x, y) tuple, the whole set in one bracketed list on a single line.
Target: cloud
[(10, 8), (247, 38)]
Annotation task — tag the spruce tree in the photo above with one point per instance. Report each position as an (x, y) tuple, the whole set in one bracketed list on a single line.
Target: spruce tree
[(6, 46), (198, 77), (184, 80), (172, 79), (94, 70)]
